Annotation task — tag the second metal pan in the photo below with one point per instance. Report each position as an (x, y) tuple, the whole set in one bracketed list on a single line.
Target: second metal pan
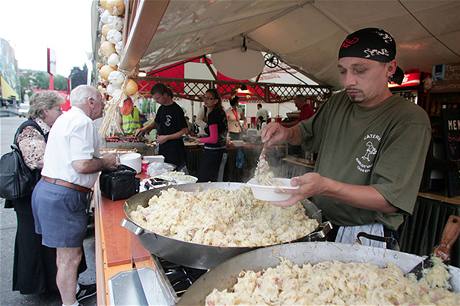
[(225, 275)]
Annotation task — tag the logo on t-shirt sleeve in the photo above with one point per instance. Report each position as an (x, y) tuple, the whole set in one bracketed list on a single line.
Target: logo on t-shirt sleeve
[(365, 161)]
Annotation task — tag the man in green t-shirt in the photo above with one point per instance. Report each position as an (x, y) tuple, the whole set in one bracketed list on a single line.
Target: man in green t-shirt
[(371, 145)]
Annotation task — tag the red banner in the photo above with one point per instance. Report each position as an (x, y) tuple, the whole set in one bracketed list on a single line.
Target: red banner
[(410, 79)]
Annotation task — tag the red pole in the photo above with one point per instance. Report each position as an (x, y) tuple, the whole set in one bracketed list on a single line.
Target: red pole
[(51, 66), (66, 106), (51, 87)]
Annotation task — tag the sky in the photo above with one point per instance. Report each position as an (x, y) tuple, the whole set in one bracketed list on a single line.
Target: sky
[(32, 26)]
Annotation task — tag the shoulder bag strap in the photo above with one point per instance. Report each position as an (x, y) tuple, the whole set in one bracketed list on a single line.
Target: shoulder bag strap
[(25, 124)]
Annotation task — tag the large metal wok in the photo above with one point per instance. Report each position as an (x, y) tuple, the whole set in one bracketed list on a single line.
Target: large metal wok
[(225, 275), (192, 254)]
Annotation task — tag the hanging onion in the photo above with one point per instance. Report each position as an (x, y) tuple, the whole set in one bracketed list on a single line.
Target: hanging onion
[(107, 48), (105, 71), (113, 60), (103, 4), (119, 47), (110, 89), (116, 78), (106, 17), (113, 36), (116, 7), (105, 29), (111, 42), (116, 23), (131, 88)]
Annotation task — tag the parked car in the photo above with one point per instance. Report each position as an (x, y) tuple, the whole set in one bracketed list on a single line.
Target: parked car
[(23, 109)]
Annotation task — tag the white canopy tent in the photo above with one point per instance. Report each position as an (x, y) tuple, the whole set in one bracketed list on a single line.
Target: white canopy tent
[(304, 34)]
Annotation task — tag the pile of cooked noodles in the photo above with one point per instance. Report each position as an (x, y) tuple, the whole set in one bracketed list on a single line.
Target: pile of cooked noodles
[(337, 283), (221, 217)]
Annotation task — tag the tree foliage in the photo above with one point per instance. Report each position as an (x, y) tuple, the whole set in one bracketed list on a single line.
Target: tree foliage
[(31, 79)]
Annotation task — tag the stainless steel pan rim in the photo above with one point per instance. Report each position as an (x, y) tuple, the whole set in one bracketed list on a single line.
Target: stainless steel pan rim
[(187, 253), (225, 275)]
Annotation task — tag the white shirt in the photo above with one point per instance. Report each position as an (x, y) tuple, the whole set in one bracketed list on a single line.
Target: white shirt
[(262, 113), (72, 137)]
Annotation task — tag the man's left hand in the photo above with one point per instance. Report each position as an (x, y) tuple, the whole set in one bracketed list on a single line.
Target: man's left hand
[(310, 184)]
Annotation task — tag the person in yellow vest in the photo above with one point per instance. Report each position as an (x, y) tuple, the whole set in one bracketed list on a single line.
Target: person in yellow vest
[(130, 117)]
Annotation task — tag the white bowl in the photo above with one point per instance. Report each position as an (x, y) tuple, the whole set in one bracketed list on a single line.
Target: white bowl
[(132, 160), (271, 193)]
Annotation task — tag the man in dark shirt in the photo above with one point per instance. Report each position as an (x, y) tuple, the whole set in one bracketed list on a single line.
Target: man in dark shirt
[(170, 124)]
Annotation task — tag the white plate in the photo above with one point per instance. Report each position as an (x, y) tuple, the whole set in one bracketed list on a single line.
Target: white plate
[(178, 178), (271, 193)]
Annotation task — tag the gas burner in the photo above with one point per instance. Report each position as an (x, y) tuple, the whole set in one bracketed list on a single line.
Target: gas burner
[(180, 277)]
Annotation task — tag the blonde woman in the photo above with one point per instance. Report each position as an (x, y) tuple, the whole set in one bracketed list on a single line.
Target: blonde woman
[(34, 268)]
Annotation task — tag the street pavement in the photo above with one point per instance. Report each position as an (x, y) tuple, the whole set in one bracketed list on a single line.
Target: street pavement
[(8, 126)]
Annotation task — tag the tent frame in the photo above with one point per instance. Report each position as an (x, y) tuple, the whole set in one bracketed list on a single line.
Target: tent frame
[(194, 89)]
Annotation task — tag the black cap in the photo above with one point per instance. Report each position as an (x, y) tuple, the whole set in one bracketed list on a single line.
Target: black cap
[(371, 43)]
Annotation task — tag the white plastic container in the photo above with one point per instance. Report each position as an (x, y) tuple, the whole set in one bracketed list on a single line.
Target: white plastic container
[(157, 168), (132, 160), (154, 158), (272, 193)]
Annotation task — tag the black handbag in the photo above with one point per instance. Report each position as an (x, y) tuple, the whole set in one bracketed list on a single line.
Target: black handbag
[(16, 179), (119, 184)]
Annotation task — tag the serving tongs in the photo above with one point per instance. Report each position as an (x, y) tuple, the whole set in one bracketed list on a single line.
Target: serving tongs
[(442, 251), (391, 242), (156, 182)]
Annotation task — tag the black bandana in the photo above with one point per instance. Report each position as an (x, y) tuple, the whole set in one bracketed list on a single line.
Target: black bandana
[(370, 43), (374, 44)]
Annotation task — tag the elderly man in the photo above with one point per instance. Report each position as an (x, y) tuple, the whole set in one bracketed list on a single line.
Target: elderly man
[(61, 199), (371, 144)]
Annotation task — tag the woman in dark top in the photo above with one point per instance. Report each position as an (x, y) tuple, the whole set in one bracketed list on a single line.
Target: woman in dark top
[(214, 143)]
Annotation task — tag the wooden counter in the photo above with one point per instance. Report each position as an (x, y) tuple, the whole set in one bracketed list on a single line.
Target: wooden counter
[(440, 198), (117, 249)]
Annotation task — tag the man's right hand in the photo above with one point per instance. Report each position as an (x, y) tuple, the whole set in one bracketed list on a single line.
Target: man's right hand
[(139, 132), (274, 133), (109, 161)]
